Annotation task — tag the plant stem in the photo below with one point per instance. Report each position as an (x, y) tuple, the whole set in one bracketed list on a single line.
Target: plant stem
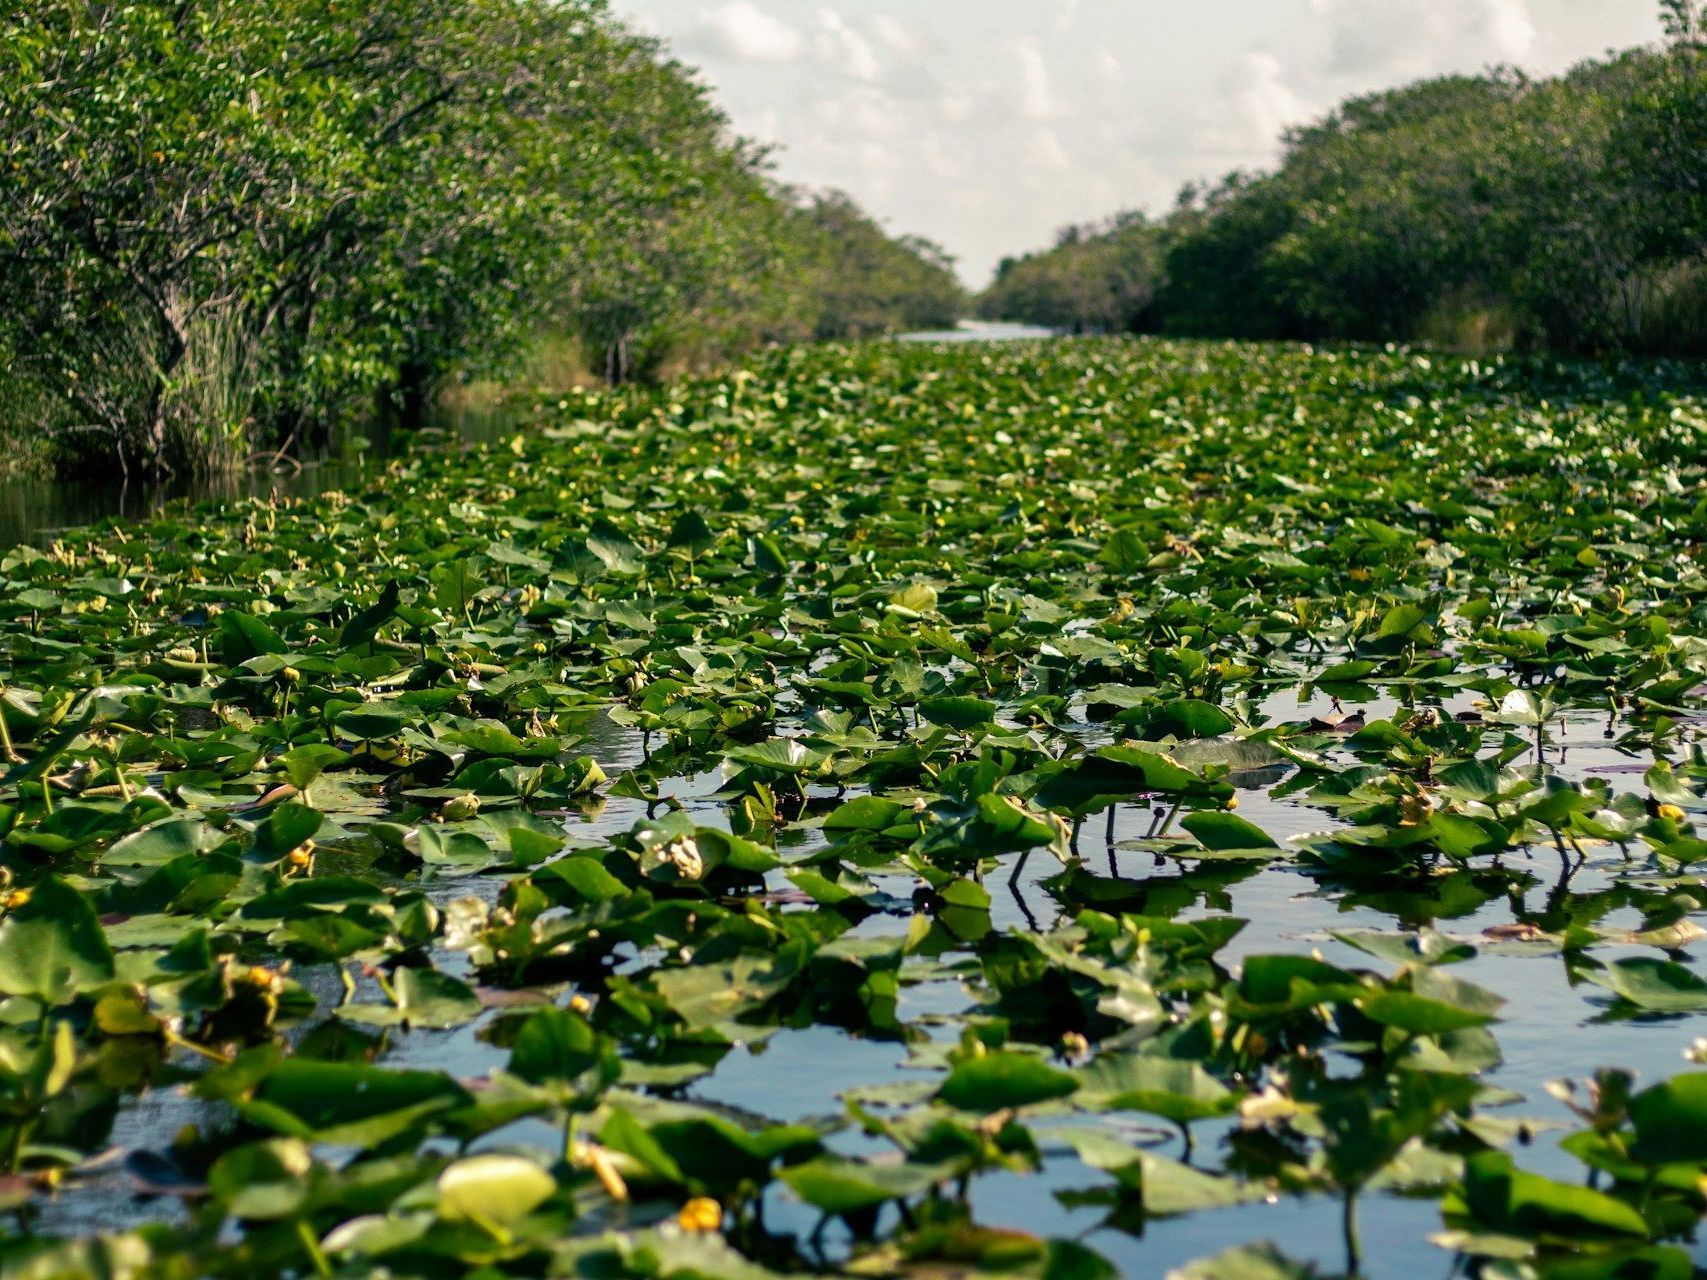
[(12, 757), (15, 1147), (1348, 1224), (214, 1055), (311, 1246)]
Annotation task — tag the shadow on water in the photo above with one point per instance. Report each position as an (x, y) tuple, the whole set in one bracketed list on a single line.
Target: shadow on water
[(34, 508)]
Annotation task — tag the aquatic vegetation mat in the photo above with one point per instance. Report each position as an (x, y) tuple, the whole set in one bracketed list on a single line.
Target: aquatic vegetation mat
[(1073, 810)]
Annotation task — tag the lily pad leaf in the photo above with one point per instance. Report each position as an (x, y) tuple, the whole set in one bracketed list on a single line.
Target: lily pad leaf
[(365, 625), (848, 1186), (1221, 831), (52, 948), (1001, 1080), (1659, 986), (1247, 1262), (488, 1190)]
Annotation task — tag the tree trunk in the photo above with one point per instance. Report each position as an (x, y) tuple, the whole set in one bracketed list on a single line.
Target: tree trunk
[(618, 363), (153, 444), (414, 395)]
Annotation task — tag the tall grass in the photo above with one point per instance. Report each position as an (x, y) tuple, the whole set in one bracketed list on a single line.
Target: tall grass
[(210, 397), (1471, 323), (1674, 319)]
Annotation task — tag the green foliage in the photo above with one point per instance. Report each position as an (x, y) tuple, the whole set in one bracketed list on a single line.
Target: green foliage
[(1096, 279), (1495, 210), (225, 227)]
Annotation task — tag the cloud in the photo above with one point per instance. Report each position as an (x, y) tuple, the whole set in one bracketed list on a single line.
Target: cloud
[(1389, 38), (1236, 125), (988, 123), (845, 48), (1512, 28), (1268, 105), (1046, 152), (1036, 93), (746, 33), (895, 36)]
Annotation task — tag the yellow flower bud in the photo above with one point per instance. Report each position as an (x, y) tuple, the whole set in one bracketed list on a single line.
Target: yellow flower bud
[(1671, 811), (1414, 810), (702, 1213), (15, 899)]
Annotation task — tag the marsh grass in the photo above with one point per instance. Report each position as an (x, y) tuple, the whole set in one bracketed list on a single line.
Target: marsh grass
[(1674, 320), (1471, 323), (210, 397)]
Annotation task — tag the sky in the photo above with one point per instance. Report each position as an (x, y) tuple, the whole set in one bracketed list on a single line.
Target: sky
[(987, 125)]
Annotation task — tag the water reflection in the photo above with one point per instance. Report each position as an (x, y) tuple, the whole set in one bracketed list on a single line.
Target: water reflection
[(984, 331), (34, 509)]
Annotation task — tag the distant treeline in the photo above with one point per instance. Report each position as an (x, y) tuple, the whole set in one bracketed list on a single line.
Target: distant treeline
[(1490, 211), (226, 225)]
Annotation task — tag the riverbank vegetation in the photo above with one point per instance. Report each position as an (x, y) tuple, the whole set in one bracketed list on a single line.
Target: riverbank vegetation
[(1488, 211), (784, 824), (226, 227)]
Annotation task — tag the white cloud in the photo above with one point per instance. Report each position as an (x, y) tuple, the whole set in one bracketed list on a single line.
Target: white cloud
[(746, 33), (1036, 94), (1423, 37), (846, 49), (896, 36), (956, 106), (1268, 105), (1237, 126), (1046, 152), (1512, 27)]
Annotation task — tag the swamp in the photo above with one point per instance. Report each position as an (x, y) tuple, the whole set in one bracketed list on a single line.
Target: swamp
[(1072, 809)]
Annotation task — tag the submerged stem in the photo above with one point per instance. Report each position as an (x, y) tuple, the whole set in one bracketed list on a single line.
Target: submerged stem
[(1348, 1225)]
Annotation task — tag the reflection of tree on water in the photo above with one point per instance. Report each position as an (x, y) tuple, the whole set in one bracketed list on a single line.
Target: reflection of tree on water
[(33, 508)]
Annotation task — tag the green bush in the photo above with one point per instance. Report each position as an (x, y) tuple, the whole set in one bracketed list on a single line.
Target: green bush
[(264, 219), (1567, 213)]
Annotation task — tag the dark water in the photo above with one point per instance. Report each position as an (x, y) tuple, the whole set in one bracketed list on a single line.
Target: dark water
[(34, 509)]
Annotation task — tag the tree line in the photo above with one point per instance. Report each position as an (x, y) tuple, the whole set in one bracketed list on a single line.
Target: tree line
[(225, 227), (1498, 210)]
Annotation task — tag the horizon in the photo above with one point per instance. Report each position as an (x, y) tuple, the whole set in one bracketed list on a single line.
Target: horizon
[(990, 127)]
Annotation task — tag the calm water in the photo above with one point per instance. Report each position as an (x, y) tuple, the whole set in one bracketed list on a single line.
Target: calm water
[(32, 510), (983, 331), (1548, 1029)]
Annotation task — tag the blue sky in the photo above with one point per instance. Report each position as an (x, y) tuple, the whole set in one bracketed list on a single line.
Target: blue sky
[(987, 124)]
